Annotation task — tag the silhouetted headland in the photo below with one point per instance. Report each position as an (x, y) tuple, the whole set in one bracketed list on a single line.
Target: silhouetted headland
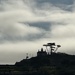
[(47, 62)]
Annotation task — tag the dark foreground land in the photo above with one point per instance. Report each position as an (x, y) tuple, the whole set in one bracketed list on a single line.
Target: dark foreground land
[(55, 64)]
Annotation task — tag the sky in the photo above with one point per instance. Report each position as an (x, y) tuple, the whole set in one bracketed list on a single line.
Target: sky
[(25, 25)]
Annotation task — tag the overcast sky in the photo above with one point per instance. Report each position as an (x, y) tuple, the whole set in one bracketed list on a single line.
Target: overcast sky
[(25, 25)]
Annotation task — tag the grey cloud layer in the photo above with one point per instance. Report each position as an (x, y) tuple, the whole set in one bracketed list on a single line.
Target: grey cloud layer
[(63, 4), (27, 24)]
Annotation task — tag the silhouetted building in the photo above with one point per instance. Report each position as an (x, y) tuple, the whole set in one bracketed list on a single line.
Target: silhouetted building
[(41, 53)]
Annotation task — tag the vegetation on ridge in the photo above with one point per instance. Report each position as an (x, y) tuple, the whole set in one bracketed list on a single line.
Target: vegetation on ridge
[(55, 64)]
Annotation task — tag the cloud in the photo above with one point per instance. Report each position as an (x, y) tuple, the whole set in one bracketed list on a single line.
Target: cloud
[(17, 32), (11, 28), (64, 4), (62, 31), (25, 25)]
